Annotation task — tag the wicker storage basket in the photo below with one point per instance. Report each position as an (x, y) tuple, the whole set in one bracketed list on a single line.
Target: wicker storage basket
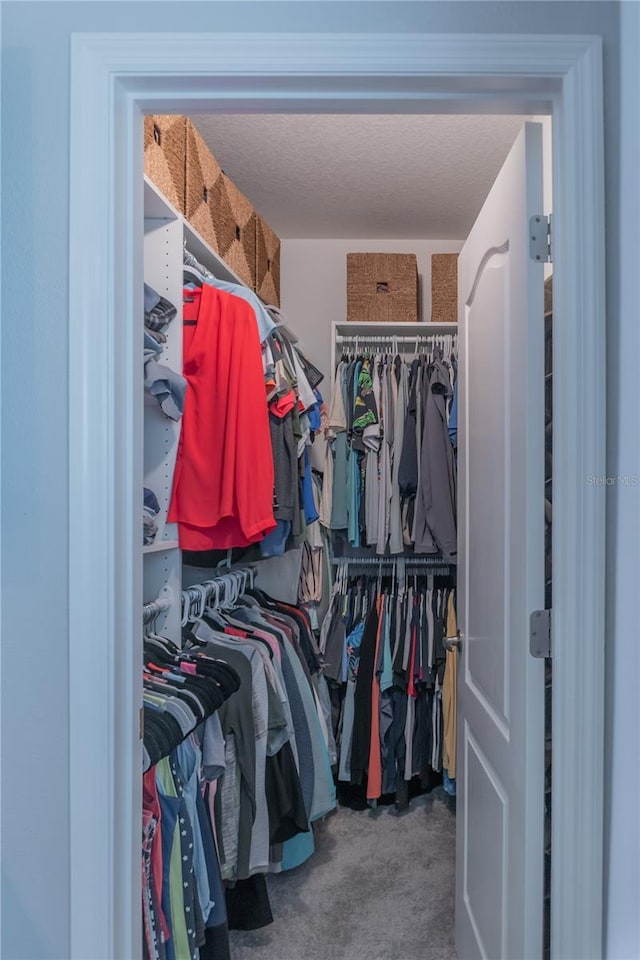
[(202, 172), (220, 213), (444, 287), (164, 155), (267, 263), (234, 222), (382, 287)]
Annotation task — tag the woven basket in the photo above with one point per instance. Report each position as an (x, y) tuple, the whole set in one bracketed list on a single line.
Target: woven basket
[(234, 221), (267, 263), (382, 287), (220, 213), (444, 287), (202, 173), (165, 156)]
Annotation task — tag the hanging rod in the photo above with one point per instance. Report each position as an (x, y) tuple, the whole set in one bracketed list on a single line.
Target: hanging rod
[(154, 608), (390, 561), (391, 338), (359, 570)]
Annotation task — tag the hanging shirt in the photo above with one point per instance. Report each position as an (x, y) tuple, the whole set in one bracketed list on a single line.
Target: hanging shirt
[(285, 463), (262, 318), (453, 417), (399, 385), (436, 498), (353, 460), (305, 392), (408, 470), (337, 429), (224, 477), (365, 411), (384, 465)]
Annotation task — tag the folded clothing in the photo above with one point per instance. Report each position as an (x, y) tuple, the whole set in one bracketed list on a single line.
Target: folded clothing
[(158, 311), (156, 335), (150, 512), (167, 386), (152, 347)]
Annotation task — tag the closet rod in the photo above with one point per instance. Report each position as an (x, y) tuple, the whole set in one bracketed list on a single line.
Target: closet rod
[(392, 338), (154, 608), (390, 561)]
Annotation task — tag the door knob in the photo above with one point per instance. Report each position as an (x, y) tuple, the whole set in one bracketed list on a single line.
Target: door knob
[(453, 643)]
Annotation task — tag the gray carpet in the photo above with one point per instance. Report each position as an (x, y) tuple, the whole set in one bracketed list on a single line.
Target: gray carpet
[(380, 886)]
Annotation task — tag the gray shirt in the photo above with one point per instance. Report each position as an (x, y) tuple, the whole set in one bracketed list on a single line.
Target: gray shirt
[(436, 499), (396, 541)]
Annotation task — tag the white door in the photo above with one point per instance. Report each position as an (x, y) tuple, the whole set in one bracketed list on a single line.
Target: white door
[(499, 849)]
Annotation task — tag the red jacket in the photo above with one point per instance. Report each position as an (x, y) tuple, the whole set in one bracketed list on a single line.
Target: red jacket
[(223, 482)]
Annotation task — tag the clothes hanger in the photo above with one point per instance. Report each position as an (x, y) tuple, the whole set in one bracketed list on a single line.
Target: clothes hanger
[(212, 613), (184, 616), (191, 275), (200, 592), (228, 592), (191, 261)]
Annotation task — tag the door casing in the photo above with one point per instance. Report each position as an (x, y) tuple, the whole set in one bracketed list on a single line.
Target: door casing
[(117, 78)]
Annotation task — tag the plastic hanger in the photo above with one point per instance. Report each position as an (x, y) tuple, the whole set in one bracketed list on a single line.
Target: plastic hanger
[(191, 275)]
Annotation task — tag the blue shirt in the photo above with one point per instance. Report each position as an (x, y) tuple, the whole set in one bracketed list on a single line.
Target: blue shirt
[(265, 322)]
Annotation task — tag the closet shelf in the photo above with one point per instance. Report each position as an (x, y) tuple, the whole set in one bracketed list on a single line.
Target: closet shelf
[(161, 546), (365, 328), (156, 206)]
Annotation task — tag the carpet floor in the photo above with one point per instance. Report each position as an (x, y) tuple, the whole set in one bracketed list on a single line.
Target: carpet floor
[(380, 886)]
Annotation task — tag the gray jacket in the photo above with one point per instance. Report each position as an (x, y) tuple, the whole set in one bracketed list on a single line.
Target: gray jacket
[(436, 497)]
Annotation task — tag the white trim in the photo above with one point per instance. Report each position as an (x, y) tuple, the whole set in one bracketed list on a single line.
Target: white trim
[(113, 78), (91, 481), (579, 426)]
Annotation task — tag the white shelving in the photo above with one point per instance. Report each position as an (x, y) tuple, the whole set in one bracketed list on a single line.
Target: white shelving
[(165, 233), (157, 208), (393, 329), (161, 546), (163, 239)]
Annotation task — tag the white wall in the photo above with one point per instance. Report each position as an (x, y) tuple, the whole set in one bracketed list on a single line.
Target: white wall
[(35, 191), (314, 284)]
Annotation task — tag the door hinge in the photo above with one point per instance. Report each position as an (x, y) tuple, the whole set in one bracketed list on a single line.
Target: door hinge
[(540, 634), (540, 238)]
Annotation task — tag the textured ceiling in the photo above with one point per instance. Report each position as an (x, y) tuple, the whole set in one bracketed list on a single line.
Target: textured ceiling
[(363, 176)]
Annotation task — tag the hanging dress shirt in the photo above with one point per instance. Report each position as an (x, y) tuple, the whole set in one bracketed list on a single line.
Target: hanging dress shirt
[(224, 476), (436, 500), (396, 542)]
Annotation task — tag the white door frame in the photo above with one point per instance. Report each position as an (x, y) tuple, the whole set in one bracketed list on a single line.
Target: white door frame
[(114, 79)]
